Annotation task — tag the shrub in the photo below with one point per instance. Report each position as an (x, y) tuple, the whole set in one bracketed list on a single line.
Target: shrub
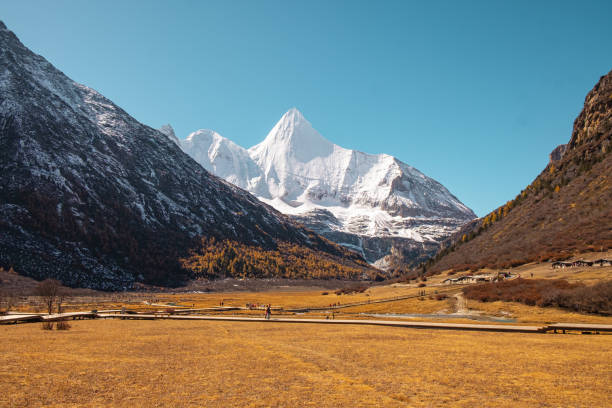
[(353, 289), (547, 293), (421, 285), (585, 299), (441, 296), (51, 291), (47, 325), (325, 293), (62, 325)]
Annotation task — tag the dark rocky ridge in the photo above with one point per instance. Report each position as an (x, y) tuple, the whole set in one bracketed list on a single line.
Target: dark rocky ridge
[(96, 199)]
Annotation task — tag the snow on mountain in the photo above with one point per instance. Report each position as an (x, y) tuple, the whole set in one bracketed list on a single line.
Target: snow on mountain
[(224, 158), (358, 195), (169, 131)]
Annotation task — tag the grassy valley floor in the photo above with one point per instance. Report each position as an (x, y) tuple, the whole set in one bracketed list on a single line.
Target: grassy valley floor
[(219, 364)]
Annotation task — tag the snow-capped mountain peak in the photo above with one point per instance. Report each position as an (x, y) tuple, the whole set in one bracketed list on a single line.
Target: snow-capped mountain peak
[(294, 136), (347, 195)]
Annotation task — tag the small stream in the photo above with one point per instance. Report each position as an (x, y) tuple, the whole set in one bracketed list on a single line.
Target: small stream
[(482, 318)]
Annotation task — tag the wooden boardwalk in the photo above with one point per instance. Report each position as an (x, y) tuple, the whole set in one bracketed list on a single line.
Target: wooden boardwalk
[(38, 317), (413, 325), (582, 327), (501, 328), (69, 315), (20, 318)]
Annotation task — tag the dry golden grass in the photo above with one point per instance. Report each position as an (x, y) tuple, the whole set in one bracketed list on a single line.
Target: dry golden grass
[(534, 314), (289, 298), (278, 298), (222, 364), (424, 305)]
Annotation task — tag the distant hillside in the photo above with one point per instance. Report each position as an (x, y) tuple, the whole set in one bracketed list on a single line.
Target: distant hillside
[(566, 209)]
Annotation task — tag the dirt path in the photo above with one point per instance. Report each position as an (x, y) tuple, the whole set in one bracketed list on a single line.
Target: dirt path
[(461, 305)]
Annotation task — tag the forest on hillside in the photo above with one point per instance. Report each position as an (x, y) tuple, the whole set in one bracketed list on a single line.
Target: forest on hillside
[(226, 258)]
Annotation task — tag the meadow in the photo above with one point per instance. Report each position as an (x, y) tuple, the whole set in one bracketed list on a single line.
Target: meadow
[(219, 364)]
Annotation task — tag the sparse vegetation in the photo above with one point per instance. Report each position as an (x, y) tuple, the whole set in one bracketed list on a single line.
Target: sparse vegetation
[(547, 292), (47, 325), (351, 289), (62, 325), (51, 293)]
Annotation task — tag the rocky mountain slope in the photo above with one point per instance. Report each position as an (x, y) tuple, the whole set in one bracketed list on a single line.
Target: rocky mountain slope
[(369, 203), (94, 198), (566, 210)]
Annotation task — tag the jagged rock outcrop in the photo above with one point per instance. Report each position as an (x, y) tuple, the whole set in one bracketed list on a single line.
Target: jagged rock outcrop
[(557, 153)]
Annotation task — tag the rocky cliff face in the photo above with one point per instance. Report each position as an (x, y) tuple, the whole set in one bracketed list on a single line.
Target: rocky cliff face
[(593, 127), (565, 210), (94, 198), (369, 203), (557, 153)]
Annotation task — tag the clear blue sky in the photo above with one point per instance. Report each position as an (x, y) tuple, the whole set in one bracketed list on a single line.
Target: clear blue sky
[(474, 94)]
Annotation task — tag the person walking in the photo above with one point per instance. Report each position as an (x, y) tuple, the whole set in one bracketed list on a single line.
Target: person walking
[(268, 312)]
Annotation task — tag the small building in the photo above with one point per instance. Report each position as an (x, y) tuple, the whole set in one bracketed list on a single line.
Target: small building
[(559, 264), (467, 279)]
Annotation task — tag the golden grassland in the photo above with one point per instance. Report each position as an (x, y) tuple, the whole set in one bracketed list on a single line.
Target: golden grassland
[(221, 364), (534, 314), (286, 298)]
